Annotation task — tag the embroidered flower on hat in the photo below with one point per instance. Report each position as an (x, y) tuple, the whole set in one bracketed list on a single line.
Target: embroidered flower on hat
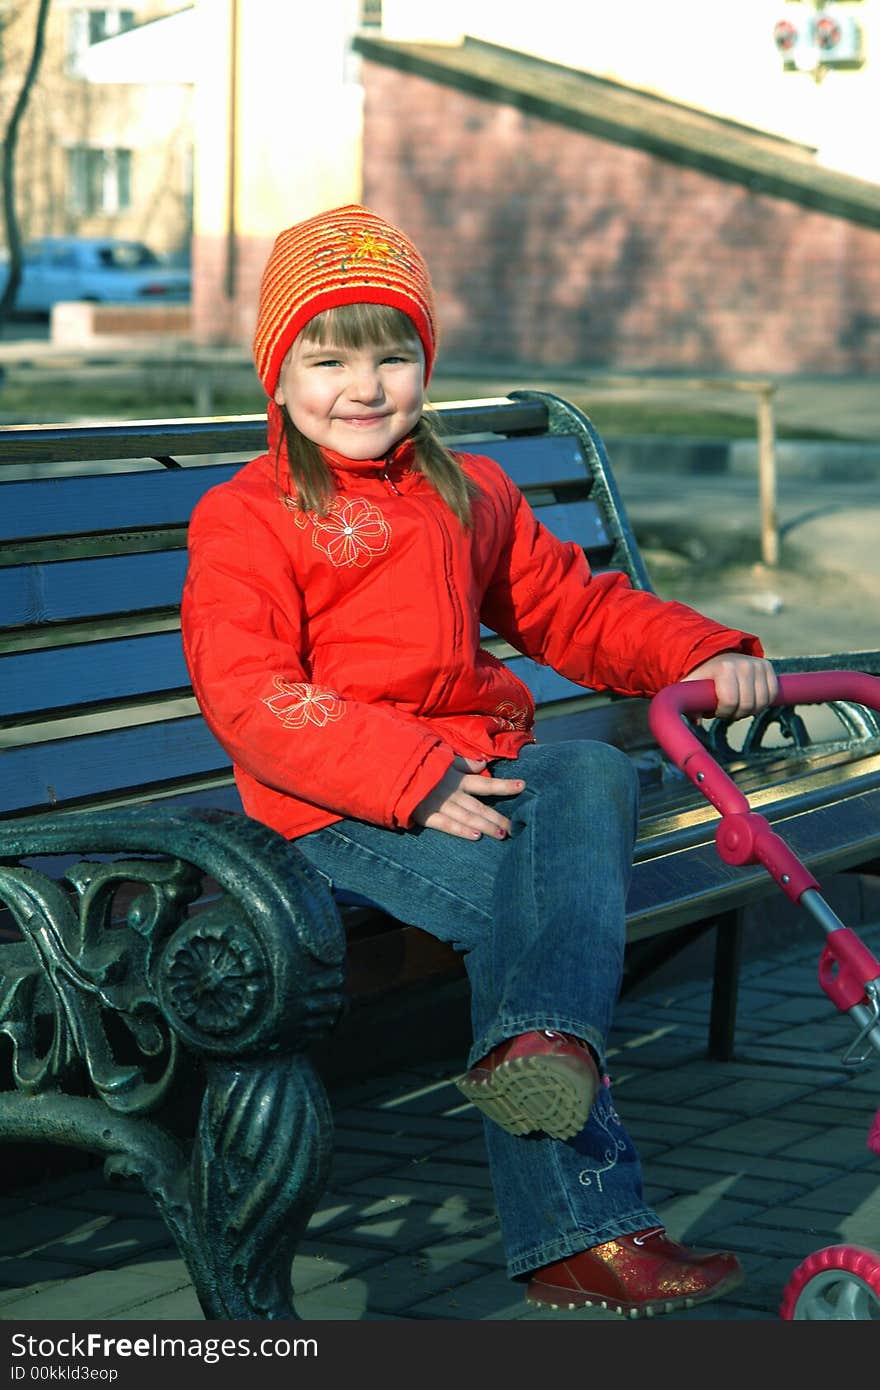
[(365, 246)]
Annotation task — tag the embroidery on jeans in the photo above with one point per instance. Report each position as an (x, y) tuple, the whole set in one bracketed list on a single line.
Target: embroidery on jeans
[(612, 1150), (298, 705)]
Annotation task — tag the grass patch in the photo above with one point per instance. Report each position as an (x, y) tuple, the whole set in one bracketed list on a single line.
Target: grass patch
[(47, 398)]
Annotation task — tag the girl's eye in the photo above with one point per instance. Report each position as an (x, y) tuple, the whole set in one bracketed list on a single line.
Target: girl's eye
[(328, 362)]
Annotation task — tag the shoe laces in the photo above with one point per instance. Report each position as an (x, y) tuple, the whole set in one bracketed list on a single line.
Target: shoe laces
[(646, 1235)]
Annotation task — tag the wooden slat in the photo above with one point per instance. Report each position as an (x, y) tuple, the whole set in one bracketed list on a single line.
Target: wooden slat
[(49, 593), (44, 775), (544, 683), (90, 672), (534, 461), (244, 434), (104, 502), (581, 522), (143, 498)]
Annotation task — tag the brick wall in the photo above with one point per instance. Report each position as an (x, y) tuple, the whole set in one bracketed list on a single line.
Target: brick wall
[(558, 248)]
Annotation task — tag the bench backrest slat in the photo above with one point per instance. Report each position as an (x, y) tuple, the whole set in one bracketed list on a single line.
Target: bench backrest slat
[(90, 673), (52, 593), (42, 775)]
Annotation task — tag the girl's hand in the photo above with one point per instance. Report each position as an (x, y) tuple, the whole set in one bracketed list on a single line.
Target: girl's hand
[(453, 805), (743, 684)]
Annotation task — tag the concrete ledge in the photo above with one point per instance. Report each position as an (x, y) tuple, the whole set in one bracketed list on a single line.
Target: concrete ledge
[(75, 324), (807, 458)]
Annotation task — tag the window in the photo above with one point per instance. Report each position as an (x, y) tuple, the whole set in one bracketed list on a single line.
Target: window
[(98, 180), (91, 26)]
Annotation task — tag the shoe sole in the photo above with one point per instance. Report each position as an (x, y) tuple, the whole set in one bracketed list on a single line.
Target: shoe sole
[(551, 1299), (550, 1094)]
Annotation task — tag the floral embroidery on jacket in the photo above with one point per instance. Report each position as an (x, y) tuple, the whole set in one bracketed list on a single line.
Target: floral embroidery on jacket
[(298, 705), (509, 716), (352, 532)]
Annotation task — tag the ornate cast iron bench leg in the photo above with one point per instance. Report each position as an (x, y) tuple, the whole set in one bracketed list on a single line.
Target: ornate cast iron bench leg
[(115, 1027)]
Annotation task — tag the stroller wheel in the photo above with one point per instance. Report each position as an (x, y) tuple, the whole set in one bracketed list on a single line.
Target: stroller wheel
[(838, 1283)]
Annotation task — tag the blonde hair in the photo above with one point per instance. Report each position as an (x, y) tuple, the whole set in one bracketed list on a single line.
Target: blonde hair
[(356, 326)]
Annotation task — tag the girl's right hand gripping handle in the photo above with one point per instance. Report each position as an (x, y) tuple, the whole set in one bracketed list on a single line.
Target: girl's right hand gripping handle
[(743, 837)]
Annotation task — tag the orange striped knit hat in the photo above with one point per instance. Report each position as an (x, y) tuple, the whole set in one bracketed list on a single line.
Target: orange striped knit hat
[(347, 256)]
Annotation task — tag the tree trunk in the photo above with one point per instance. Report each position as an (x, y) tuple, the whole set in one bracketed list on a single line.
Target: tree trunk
[(10, 142)]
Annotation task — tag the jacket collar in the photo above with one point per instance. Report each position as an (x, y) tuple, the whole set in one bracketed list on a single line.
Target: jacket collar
[(401, 458)]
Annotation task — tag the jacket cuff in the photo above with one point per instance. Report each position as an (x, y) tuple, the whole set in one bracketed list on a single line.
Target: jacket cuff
[(422, 780)]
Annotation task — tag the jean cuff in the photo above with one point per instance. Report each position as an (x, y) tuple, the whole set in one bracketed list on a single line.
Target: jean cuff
[(535, 1023), (523, 1266)]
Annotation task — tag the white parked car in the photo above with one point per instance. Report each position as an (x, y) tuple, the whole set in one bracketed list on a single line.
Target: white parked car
[(97, 269)]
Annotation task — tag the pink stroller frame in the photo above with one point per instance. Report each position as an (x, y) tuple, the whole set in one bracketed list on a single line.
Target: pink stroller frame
[(840, 1281)]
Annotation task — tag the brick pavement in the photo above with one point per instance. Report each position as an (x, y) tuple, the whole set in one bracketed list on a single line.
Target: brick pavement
[(765, 1154)]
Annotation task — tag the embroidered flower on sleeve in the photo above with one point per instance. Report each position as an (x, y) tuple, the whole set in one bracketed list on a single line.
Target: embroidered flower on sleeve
[(299, 704), (352, 532), (509, 716)]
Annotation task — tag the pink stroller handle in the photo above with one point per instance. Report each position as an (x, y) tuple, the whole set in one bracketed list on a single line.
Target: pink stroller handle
[(743, 837)]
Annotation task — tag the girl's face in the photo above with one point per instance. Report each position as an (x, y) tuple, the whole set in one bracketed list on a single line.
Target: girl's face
[(359, 402)]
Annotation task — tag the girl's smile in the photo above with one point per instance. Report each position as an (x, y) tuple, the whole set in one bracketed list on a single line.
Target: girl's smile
[(358, 402)]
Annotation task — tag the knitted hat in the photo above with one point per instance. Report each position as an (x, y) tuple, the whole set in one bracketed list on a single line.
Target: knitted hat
[(346, 256)]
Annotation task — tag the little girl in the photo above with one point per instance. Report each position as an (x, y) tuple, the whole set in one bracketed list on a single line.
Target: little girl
[(331, 621)]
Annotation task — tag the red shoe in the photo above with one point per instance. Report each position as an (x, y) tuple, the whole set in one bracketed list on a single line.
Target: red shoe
[(637, 1275), (538, 1081)]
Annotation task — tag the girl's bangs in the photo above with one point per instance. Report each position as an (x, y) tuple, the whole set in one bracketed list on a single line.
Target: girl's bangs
[(360, 325)]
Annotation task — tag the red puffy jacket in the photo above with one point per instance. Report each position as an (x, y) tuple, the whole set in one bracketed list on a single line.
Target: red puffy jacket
[(338, 659)]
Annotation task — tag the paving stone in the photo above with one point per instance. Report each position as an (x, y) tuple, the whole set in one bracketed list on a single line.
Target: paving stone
[(390, 1122), (35, 1227), (114, 1201), (846, 1193), (750, 1097), (401, 1284), (105, 1243), (19, 1272), (348, 1167), (745, 1186), (179, 1305), (792, 1173), (769, 1240), (323, 1262), (395, 1145), (847, 1145), (765, 1135), (708, 1213), (446, 1176), (443, 1200), (96, 1295), (392, 1228)]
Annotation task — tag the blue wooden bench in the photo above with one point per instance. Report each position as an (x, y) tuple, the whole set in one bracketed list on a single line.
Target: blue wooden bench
[(146, 937)]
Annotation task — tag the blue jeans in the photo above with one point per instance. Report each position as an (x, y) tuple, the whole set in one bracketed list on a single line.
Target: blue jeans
[(539, 918)]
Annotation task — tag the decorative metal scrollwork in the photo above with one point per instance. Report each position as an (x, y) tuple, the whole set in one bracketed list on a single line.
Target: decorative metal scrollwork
[(107, 1009)]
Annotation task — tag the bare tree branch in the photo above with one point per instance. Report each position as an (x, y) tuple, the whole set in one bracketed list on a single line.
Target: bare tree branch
[(7, 173)]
